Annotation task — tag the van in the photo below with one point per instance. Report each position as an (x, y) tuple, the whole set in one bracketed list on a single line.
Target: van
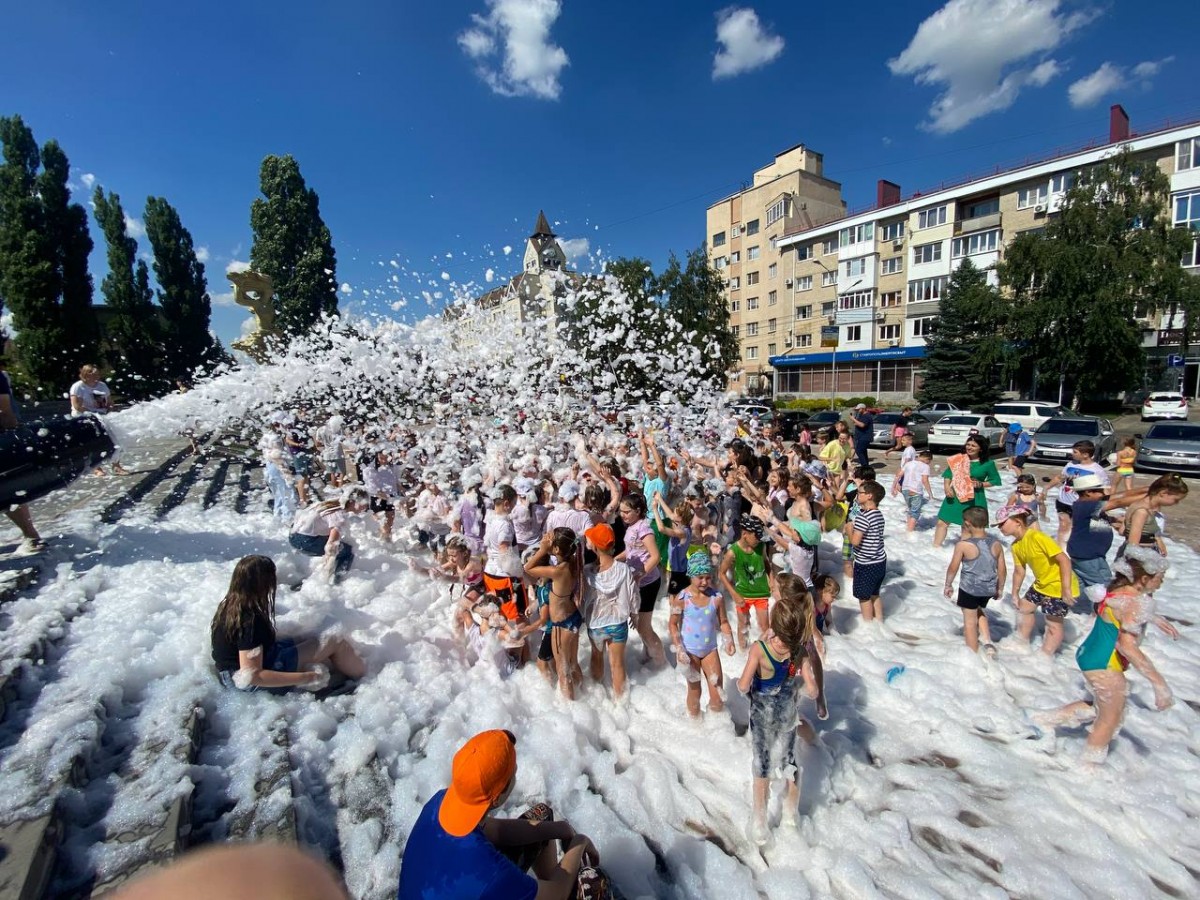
[(1030, 414)]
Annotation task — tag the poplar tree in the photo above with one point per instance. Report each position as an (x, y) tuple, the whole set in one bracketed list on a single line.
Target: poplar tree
[(133, 330), (695, 295), (293, 246), (182, 292)]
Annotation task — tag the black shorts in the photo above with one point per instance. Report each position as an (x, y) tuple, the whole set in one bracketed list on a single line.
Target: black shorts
[(381, 505), (679, 581), (1019, 461), (1063, 509), (971, 601), (868, 579), (649, 594), (546, 648)]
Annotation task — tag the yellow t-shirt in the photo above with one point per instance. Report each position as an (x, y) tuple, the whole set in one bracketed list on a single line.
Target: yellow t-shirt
[(833, 455), (1037, 551)]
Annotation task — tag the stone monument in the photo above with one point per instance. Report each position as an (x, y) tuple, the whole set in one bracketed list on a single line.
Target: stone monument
[(254, 291)]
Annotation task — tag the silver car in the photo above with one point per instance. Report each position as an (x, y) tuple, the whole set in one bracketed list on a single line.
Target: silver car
[(918, 427), (1169, 447), (1057, 436), (951, 431)]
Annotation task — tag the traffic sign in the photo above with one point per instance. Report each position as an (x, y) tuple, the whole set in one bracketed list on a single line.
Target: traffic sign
[(1175, 361), (829, 335)]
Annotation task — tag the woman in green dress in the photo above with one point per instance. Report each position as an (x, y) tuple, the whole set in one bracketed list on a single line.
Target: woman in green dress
[(983, 473)]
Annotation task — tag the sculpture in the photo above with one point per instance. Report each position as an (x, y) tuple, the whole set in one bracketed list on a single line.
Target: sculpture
[(254, 291)]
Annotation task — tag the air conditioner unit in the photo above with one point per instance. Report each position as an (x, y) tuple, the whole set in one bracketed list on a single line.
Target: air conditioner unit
[(879, 317), (787, 283), (787, 342), (1039, 209), (897, 244)]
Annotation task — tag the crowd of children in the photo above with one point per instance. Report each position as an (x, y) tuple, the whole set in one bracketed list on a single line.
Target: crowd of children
[(579, 538)]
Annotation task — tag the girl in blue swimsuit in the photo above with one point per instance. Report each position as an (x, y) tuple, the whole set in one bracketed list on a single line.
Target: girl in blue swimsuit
[(565, 594), (697, 615)]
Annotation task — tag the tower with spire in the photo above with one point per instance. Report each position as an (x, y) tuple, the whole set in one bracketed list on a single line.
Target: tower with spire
[(542, 249)]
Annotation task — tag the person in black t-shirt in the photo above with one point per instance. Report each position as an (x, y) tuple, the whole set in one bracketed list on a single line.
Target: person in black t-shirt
[(246, 651)]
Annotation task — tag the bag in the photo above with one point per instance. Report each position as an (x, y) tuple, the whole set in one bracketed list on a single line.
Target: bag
[(835, 516)]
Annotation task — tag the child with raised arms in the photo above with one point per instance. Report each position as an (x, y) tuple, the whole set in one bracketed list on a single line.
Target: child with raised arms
[(566, 585), (697, 618)]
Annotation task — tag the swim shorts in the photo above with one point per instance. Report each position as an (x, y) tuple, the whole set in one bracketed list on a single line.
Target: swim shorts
[(618, 634), (1050, 606), (756, 602)]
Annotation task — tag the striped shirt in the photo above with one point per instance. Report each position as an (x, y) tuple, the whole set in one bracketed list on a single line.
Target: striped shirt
[(870, 550)]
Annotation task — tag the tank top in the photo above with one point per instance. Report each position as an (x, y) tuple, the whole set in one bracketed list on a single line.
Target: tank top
[(699, 626), (780, 677), (749, 572), (979, 574), (678, 555)]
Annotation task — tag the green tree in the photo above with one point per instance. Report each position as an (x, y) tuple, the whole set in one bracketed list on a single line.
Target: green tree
[(293, 246), (696, 305), (133, 331), (28, 281), (70, 243), (966, 347), (182, 292), (1108, 259)]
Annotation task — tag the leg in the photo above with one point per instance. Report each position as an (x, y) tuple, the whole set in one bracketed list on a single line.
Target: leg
[(1064, 529), (939, 533), (650, 639), (1053, 638), (971, 629), (760, 615), (711, 667), (1110, 690), (616, 662), (693, 688), (566, 655), (596, 665), (23, 520), (985, 631), (743, 624), (344, 558), (1026, 619), (389, 519), (877, 607), (817, 667), (761, 786)]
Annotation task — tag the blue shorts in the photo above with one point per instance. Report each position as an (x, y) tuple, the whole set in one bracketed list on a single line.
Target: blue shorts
[(572, 623), (283, 657), (868, 579), (915, 503), (1092, 571), (618, 634)]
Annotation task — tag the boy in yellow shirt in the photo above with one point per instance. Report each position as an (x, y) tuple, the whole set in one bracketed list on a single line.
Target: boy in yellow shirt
[(1054, 584)]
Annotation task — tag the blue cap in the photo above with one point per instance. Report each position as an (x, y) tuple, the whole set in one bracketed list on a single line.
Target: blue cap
[(1014, 427)]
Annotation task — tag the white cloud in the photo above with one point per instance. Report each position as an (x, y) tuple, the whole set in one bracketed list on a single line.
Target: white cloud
[(134, 228), (225, 299), (745, 44), (576, 248), (977, 52), (88, 179), (512, 50), (237, 265), (1110, 78), (202, 254)]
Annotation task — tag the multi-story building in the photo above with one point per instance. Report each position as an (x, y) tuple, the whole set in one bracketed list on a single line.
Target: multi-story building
[(857, 293), (787, 196)]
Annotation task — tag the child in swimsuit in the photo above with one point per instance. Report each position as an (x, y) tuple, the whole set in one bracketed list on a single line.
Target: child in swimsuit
[(1026, 496), (565, 587), (769, 679), (1126, 457), (1112, 646), (697, 615)]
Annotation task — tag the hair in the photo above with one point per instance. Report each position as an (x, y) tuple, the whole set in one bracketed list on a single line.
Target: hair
[(251, 594), (975, 516), (907, 434), (564, 543), (1168, 484), (354, 495), (1026, 479), (922, 454), (596, 496), (1022, 515), (506, 494), (1129, 442), (783, 475), (980, 442), (1137, 572), (872, 489), (822, 583), (88, 368), (801, 485), (792, 616), (683, 513), (864, 473), (1084, 446), (636, 502), (743, 456)]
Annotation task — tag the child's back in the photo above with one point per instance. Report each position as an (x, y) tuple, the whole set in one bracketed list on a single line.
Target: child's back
[(980, 571)]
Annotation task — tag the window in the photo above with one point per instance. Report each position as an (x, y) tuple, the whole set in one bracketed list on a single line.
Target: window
[(753, 252), (751, 353), (735, 283), (805, 252), (856, 234), (772, 270), (804, 284), (1033, 195), (857, 300), (719, 239), (773, 240), (853, 333), (752, 303), (772, 298), (828, 278), (894, 231), (777, 210), (980, 242), (829, 308), (752, 227), (1062, 182), (735, 256), (804, 312), (927, 253), (855, 267), (926, 289), (805, 340), (889, 332), (922, 327), (771, 350), (771, 326), (889, 299), (1187, 154), (751, 278), (892, 266), (831, 245), (737, 330), (979, 208), (1187, 215), (751, 329), (929, 218), (720, 262), (735, 305)]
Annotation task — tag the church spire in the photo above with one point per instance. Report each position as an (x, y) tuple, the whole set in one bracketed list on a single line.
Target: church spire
[(542, 228)]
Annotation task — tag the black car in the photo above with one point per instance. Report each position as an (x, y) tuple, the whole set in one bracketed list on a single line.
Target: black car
[(825, 419), (788, 423)]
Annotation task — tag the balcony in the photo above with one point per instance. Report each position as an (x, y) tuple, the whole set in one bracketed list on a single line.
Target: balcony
[(854, 309), (978, 223)]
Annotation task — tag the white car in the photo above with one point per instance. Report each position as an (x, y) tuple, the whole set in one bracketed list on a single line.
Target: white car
[(1029, 414), (1165, 405), (951, 431)]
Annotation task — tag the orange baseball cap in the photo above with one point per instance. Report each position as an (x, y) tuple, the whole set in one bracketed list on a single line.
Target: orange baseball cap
[(601, 536), (481, 771)]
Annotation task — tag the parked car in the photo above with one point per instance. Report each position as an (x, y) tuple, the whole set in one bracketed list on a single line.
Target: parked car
[(1030, 414), (934, 411), (1169, 447), (918, 425), (824, 418), (1165, 405), (788, 422), (950, 431), (1056, 437), (759, 411)]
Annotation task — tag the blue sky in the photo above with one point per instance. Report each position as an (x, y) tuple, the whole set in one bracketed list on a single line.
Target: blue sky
[(431, 129)]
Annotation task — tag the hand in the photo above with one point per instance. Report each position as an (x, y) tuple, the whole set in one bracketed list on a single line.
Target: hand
[(1163, 698), (729, 648), (738, 599), (1166, 628), (682, 656), (546, 539), (318, 677), (946, 592)]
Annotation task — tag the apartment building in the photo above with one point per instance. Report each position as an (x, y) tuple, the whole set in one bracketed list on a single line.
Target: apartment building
[(785, 197), (857, 293)]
